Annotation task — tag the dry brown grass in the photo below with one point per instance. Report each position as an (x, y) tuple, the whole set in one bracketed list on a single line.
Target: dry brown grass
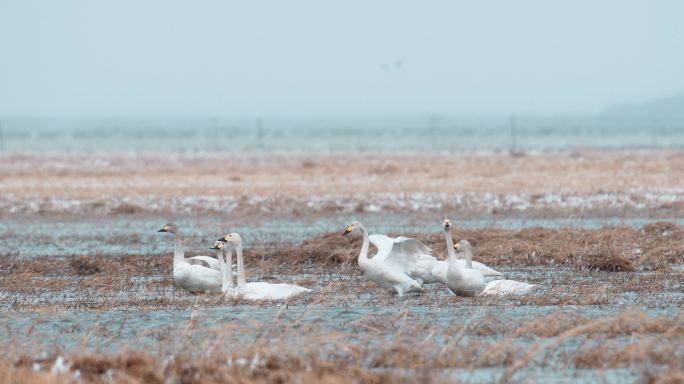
[(617, 249), (398, 347), (665, 376), (652, 352), (126, 184), (138, 367), (626, 323), (185, 174), (328, 264)]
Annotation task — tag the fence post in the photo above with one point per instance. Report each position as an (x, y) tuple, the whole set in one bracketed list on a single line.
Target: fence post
[(514, 135), (433, 130), (260, 134)]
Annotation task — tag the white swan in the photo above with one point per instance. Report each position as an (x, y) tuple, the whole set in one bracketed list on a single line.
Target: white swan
[(190, 275), (227, 287), (488, 273), (253, 290), (464, 281), (470, 282), (507, 287), (389, 268), (429, 269), (206, 261)]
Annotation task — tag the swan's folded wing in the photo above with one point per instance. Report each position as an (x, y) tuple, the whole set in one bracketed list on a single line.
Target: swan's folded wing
[(205, 261), (488, 272), (269, 291), (207, 277), (507, 287)]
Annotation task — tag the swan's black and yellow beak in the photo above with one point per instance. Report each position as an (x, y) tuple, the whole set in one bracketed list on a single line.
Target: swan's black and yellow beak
[(457, 246), (163, 230), (214, 247), (446, 223), (347, 231), (223, 240)]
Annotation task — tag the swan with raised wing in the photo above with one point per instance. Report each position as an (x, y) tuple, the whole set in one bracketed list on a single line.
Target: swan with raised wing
[(470, 282), (192, 274), (253, 290), (389, 268)]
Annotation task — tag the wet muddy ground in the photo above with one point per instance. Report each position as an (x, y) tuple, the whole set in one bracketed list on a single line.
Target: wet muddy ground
[(608, 307)]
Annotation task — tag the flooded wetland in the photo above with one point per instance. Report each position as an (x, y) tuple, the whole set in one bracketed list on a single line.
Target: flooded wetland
[(87, 291)]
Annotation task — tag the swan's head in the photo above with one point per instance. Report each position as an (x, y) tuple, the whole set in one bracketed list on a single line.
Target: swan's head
[(446, 224), (463, 245), (231, 238), (354, 228), (169, 227), (218, 245)]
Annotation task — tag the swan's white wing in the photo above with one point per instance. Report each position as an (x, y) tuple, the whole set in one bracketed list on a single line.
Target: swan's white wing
[(486, 271), (197, 278), (396, 258), (205, 261), (430, 270), (507, 287), (413, 245), (384, 245), (268, 291), (406, 252)]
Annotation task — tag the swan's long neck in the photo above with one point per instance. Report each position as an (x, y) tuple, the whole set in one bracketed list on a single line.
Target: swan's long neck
[(178, 253), (469, 257), (241, 279), (222, 270), (454, 272), (450, 244), (228, 253), (363, 256)]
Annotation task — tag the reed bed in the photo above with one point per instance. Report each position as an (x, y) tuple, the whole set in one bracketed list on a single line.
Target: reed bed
[(400, 347), (564, 184), (573, 266)]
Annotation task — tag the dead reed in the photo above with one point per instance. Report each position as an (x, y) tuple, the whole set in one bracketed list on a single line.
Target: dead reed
[(403, 346), (574, 266)]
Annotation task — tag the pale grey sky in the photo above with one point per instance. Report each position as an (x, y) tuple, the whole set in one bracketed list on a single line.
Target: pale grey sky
[(384, 57)]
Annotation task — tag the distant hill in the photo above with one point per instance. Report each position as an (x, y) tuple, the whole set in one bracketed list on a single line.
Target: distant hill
[(671, 107)]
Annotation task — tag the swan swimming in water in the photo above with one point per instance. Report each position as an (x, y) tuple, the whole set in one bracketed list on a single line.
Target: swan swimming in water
[(389, 268), (470, 282), (253, 290), (192, 274)]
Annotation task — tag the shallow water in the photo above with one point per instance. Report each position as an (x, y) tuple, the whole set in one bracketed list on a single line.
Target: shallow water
[(140, 328), (344, 311), (112, 331)]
